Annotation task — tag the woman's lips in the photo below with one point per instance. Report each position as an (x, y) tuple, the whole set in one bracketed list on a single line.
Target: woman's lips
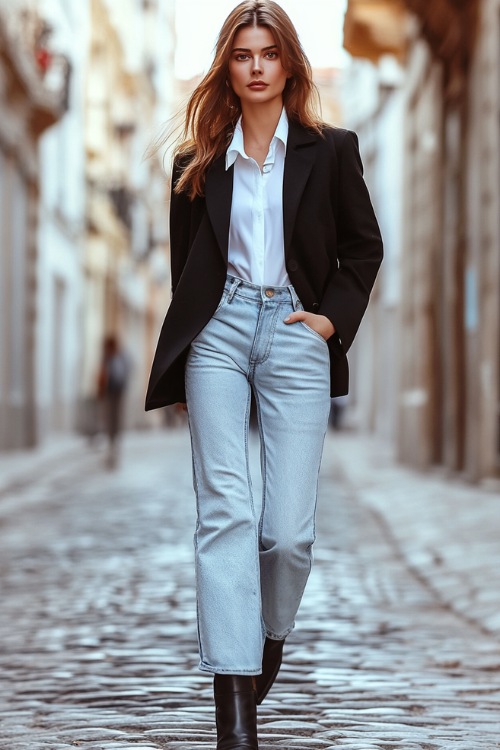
[(257, 85)]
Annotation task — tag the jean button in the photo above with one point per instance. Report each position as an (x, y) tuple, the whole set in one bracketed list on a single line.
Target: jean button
[(269, 293)]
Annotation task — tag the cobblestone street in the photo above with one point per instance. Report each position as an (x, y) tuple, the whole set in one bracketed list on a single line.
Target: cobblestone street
[(98, 635)]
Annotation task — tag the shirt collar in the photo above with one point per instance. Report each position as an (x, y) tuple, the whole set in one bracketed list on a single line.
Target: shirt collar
[(237, 147)]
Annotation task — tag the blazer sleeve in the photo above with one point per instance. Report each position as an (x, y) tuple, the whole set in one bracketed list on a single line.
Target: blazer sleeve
[(180, 223), (359, 247)]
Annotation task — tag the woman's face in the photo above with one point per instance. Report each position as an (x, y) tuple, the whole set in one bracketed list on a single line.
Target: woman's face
[(255, 70)]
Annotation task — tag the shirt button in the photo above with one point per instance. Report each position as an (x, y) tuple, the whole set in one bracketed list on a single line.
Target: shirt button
[(269, 292)]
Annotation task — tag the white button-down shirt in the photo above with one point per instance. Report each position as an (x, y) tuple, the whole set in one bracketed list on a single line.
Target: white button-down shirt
[(256, 244)]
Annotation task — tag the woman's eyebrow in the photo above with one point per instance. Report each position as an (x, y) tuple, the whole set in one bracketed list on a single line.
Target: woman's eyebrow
[(264, 49)]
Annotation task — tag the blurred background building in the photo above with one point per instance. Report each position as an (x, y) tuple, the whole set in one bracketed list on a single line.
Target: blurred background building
[(423, 93), (35, 87), (85, 87), (128, 95)]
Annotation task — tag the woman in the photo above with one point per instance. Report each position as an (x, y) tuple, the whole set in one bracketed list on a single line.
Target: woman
[(274, 251)]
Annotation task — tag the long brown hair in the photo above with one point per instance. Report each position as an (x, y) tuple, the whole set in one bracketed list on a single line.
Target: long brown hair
[(213, 108)]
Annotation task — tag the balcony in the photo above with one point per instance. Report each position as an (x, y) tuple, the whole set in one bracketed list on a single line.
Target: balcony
[(35, 72), (373, 28)]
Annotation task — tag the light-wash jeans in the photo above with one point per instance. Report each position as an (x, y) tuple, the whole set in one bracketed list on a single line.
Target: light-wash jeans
[(251, 569)]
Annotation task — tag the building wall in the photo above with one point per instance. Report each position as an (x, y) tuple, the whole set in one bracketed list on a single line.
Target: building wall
[(60, 237), (449, 410), (436, 359), (420, 282), (482, 263), (83, 215), (129, 92), (373, 106), (16, 269), (29, 103)]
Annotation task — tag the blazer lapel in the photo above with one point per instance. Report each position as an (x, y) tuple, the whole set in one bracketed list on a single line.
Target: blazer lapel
[(218, 196), (300, 156)]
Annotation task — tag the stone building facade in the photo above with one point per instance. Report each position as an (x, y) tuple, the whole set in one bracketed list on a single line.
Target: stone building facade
[(129, 90), (373, 104), (446, 399), (481, 142), (33, 97), (84, 88), (61, 231)]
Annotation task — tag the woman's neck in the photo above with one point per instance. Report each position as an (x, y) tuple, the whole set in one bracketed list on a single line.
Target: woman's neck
[(259, 124)]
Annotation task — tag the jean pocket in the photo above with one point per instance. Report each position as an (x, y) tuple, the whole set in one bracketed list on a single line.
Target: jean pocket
[(299, 306), (314, 333)]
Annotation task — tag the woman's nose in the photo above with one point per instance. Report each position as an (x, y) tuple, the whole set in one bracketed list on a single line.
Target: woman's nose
[(257, 67)]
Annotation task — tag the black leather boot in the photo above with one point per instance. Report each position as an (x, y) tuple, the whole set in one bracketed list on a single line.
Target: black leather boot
[(271, 663), (235, 712)]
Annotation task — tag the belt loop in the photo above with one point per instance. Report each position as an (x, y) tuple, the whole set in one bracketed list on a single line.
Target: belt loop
[(232, 290), (293, 295)]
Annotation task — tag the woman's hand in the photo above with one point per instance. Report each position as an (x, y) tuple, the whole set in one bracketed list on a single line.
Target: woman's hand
[(319, 323)]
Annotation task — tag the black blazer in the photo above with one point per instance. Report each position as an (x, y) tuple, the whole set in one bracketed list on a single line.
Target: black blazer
[(333, 250)]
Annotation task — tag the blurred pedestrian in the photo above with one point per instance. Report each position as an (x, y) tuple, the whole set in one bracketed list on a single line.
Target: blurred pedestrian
[(112, 384), (274, 251)]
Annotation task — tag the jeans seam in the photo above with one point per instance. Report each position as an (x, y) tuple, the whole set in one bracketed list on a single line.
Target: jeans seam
[(250, 494), (206, 667), (310, 548), (195, 541), (247, 458), (264, 467), (279, 637), (270, 337)]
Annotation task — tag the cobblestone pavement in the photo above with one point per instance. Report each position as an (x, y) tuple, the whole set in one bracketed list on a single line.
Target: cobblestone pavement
[(97, 624), (446, 529)]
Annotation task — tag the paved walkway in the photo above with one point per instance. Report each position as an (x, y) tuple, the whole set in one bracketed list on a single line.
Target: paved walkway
[(19, 468), (97, 621), (447, 531)]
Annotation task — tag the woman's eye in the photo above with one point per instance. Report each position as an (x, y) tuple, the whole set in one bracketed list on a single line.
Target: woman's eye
[(272, 55), (241, 56)]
